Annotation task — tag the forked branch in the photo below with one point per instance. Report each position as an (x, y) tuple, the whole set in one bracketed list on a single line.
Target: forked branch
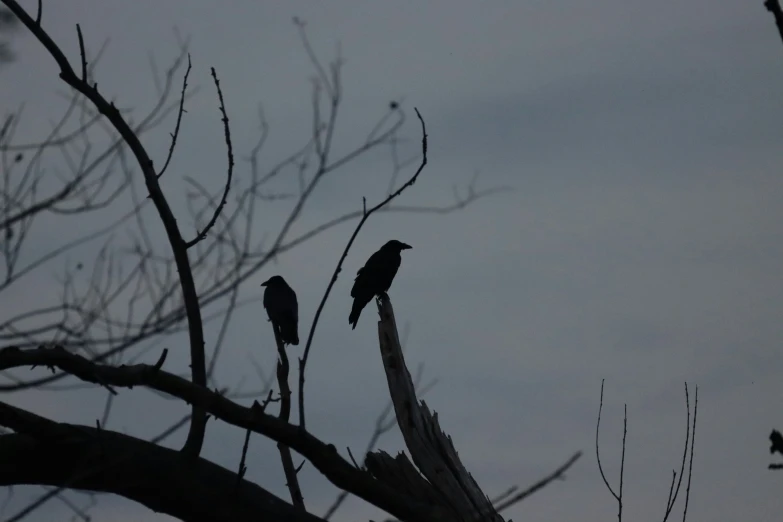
[(674, 487), (178, 245)]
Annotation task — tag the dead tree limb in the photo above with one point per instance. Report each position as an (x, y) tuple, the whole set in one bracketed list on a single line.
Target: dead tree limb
[(431, 449)]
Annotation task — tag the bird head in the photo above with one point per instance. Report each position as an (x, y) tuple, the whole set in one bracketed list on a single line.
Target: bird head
[(396, 245), (273, 281)]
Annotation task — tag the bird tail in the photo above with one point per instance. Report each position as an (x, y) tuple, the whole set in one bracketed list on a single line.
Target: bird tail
[(288, 332), (292, 335), (356, 311)]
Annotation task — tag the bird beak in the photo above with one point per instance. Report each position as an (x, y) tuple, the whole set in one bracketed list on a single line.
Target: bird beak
[(264, 283), (405, 247)]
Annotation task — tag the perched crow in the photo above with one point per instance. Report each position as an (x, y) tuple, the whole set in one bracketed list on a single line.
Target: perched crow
[(375, 277), (282, 308)]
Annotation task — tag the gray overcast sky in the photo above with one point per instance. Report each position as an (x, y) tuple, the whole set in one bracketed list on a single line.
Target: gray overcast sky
[(643, 243)]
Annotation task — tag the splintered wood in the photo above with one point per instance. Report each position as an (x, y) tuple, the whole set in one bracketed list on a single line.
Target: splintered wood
[(442, 479)]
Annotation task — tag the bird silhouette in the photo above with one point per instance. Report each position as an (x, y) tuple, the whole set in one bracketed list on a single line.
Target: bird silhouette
[(375, 277), (282, 309)]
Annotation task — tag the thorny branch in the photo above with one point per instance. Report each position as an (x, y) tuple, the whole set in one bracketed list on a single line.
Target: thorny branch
[(203, 234), (180, 112)]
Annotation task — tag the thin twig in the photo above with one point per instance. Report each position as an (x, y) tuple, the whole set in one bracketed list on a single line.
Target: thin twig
[(622, 464), (180, 112), (597, 453), (690, 465), (82, 53), (555, 475), (242, 468), (673, 495), (338, 268), (230, 151)]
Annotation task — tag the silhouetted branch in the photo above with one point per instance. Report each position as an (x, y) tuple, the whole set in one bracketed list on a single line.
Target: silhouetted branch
[(52, 493), (190, 297), (617, 497), (383, 423), (242, 467), (50, 453), (203, 234), (673, 495), (180, 112), (135, 294), (674, 487), (219, 265), (432, 451), (323, 456), (690, 464), (365, 215), (292, 482), (501, 504)]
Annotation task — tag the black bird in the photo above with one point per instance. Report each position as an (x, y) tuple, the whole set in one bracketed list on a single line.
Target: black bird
[(375, 277), (282, 308)]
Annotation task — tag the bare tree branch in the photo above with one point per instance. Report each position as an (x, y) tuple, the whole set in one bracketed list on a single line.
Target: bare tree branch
[(292, 482), (674, 487), (365, 215), (180, 112), (673, 496), (559, 474), (323, 456), (52, 493), (139, 291), (383, 423), (203, 234), (432, 451), (190, 297), (617, 497), (219, 268), (49, 453)]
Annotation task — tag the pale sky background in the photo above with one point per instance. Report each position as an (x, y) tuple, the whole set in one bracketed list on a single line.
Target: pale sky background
[(643, 242)]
